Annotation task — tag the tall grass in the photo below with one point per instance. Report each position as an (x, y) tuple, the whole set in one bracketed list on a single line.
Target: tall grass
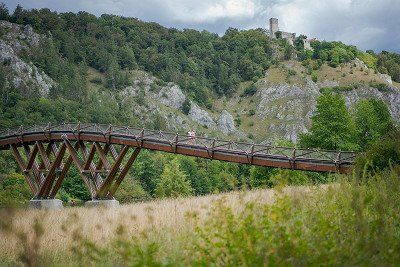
[(348, 223)]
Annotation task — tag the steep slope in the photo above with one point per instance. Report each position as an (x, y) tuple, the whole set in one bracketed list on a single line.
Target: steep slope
[(286, 98)]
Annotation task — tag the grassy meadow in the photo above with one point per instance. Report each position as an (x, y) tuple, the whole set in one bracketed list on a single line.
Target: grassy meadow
[(352, 222)]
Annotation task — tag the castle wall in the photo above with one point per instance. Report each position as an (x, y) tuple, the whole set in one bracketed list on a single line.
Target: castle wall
[(288, 36)]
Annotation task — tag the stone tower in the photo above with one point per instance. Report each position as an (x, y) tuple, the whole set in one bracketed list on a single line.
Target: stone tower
[(273, 26)]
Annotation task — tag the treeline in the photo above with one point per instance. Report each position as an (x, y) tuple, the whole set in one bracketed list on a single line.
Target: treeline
[(368, 128), (202, 63)]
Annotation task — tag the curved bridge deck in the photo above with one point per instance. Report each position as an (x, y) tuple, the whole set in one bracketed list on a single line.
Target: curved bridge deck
[(239, 152), (98, 153)]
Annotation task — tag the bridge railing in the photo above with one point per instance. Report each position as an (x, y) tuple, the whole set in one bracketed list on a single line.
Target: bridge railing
[(210, 144)]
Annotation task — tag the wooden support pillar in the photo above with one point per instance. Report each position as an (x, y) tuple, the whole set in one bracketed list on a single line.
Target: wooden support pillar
[(22, 166), (111, 175), (123, 173), (51, 175)]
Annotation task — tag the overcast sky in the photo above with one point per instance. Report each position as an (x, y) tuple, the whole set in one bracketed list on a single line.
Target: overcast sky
[(369, 24)]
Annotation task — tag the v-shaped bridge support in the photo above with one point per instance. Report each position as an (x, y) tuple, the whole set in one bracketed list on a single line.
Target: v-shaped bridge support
[(102, 167)]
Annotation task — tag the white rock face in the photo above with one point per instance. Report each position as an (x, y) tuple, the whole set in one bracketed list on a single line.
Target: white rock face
[(386, 78), (26, 76), (390, 97), (328, 83), (171, 96), (201, 116), (226, 123), (288, 108)]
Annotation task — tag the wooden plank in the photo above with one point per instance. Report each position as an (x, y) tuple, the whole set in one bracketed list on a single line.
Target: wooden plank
[(32, 164), (43, 155), (61, 177)]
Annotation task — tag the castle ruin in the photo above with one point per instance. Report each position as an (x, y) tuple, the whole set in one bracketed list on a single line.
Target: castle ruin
[(288, 36)]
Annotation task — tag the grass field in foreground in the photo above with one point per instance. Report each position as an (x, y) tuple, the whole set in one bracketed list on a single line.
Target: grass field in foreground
[(347, 223)]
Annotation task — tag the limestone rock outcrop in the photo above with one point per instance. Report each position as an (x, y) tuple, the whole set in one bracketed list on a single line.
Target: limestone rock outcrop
[(226, 123)]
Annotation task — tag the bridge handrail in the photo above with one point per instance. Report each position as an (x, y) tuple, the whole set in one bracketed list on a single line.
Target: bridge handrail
[(173, 138)]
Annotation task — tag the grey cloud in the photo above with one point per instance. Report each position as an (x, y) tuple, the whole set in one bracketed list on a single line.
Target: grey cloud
[(369, 24)]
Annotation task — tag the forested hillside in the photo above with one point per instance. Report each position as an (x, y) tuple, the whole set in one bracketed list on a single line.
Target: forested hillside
[(74, 67)]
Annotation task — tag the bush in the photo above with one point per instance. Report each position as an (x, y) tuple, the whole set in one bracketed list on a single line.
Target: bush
[(186, 105), (349, 224), (252, 112), (14, 191), (314, 77), (250, 90), (238, 121), (382, 87), (131, 191), (97, 80), (381, 155)]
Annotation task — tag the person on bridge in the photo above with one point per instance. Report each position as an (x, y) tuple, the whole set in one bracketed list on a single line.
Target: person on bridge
[(191, 136)]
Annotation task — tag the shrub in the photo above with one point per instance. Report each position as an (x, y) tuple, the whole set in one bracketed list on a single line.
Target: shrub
[(186, 105), (382, 87), (14, 190), (252, 112), (250, 90), (131, 191), (97, 80), (314, 77), (238, 120), (381, 155), (350, 224)]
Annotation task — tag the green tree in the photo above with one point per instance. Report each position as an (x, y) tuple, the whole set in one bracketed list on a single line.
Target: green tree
[(261, 177), (14, 190), (4, 15), (131, 191), (382, 154), (173, 181), (372, 120), (332, 126), (75, 186)]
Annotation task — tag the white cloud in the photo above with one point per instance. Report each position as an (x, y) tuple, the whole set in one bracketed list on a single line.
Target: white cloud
[(211, 11)]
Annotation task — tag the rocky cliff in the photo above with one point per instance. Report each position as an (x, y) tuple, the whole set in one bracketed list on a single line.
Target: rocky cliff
[(14, 40)]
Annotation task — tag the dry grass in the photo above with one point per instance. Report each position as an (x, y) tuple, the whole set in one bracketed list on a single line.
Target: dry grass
[(169, 218)]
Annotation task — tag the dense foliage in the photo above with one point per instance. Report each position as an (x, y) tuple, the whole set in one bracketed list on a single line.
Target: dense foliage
[(389, 63), (334, 127), (202, 63)]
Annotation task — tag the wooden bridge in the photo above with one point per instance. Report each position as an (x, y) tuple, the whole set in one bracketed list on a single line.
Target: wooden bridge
[(45, 153)]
